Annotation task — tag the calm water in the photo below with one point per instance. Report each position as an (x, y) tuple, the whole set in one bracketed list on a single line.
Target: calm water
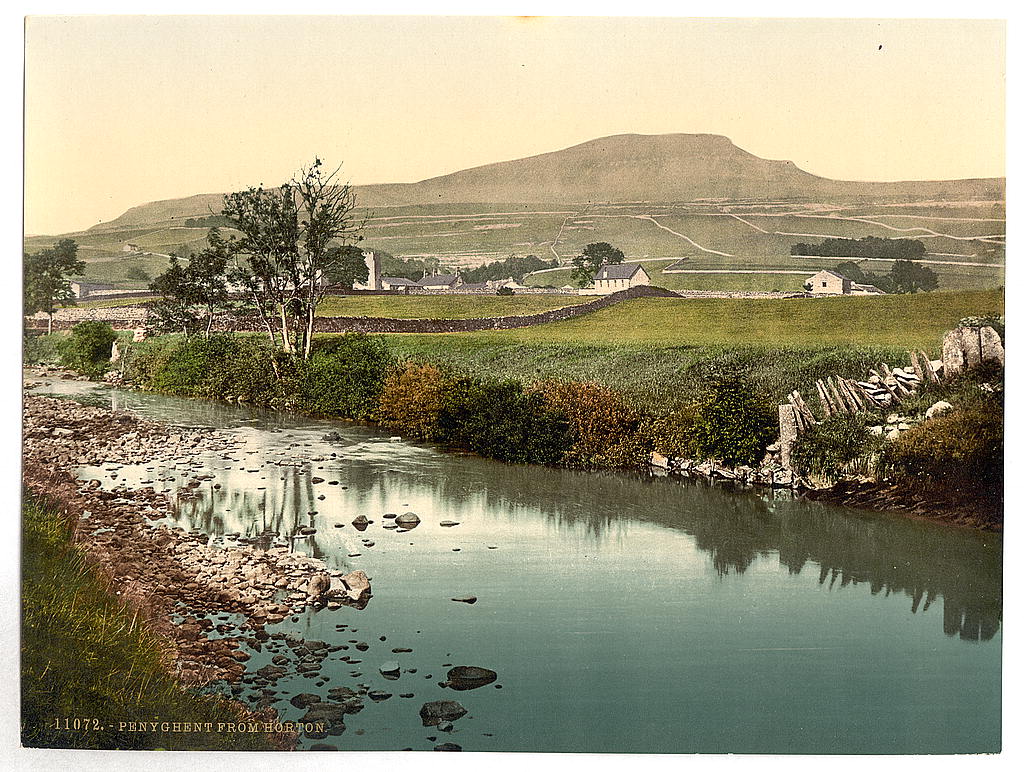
[(622, 612)]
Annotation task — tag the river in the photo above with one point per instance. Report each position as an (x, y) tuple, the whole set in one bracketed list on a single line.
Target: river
[(622, 612)]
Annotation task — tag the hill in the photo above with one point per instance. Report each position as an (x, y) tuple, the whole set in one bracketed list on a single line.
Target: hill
[(621, 168)]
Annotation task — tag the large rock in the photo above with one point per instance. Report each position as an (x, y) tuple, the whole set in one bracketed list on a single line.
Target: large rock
[(319, 584), (357, 585), (465, 677), (991, 346), (953, 352), (408, 520), (433, 713)]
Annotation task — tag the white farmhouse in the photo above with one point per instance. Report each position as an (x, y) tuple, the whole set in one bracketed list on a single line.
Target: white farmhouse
[(618, 277), (829, 283)]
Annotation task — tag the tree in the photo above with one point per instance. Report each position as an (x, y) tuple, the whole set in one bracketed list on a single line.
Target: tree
[(285, 255), (46, 282), (586, 265), (193, 293), (907, 276), (347, 266)]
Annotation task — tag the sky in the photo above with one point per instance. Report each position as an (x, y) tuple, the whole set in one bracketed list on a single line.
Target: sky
[(122, 110)]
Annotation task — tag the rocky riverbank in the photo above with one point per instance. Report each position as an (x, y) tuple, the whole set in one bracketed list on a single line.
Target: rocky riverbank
[(211, 603)]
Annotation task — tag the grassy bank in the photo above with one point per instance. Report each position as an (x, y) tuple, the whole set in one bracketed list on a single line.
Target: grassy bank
[(87, 658)]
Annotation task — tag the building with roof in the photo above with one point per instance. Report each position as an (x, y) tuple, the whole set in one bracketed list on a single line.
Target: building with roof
[(397, 283), (618, 277), (828, 283), (442, 281)]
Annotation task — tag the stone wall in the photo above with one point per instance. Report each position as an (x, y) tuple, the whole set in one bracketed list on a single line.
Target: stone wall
[(126, 318)]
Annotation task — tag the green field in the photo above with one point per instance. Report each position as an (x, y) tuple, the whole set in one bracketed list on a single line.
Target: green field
[(659, 350), (444, 306)]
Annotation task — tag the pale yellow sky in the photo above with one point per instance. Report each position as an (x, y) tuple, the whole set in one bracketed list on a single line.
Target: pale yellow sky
[(125, 110)]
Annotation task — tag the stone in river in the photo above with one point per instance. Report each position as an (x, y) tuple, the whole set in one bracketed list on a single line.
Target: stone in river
[(463, 677), (379, 696), (361, 523), (408, 520), (304, 700), (448, 747), (466, 599), (322, 747), (448, 523), (433, 713), (390, 668)]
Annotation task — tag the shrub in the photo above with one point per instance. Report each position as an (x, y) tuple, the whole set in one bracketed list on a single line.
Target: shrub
[(839, 445), (40, 349), (505, 291), (508, 424), (605, 430), (345, 377), (671, 434), (960, 453), (733, 425), (412, 399), (87, 349)]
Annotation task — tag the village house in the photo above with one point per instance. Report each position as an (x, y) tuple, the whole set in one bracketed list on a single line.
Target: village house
[(83, 289), (441, 282), (618, 277), (374, 281), (397, 283), (828, 282)]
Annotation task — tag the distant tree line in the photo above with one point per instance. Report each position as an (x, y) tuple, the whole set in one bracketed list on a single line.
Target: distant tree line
[(512, 266), (904, 277), (869, 246)]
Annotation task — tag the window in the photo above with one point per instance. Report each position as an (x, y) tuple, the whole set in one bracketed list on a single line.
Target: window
[(824, 284)]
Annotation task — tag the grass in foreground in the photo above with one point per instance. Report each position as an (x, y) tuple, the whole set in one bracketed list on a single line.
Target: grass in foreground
[(85, 656)]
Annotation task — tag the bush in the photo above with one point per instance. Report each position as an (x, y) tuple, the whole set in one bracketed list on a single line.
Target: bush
[(87, 349), (40, 350), (671, 434), (509, 424), (219, 367), (733, 424), (345, 377), (839, 445), (605, 430), (499, 420), (412, 399), (960, 453)]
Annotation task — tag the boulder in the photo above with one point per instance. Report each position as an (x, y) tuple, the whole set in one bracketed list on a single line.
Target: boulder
[(408, 520), (391, 668), (939, 408), (660, 461), (991, 346), (470, 599), (361, 523), (463, 677), (357, 585), (433, 713), (318, 585)]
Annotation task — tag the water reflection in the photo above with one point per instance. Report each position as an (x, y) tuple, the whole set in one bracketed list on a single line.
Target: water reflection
[(269, 489)]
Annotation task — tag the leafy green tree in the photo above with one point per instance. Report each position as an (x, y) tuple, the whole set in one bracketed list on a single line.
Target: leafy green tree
[(46, 282), (909, 277), (285, 250), (346, 266), (586, 265), (193, 293)]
